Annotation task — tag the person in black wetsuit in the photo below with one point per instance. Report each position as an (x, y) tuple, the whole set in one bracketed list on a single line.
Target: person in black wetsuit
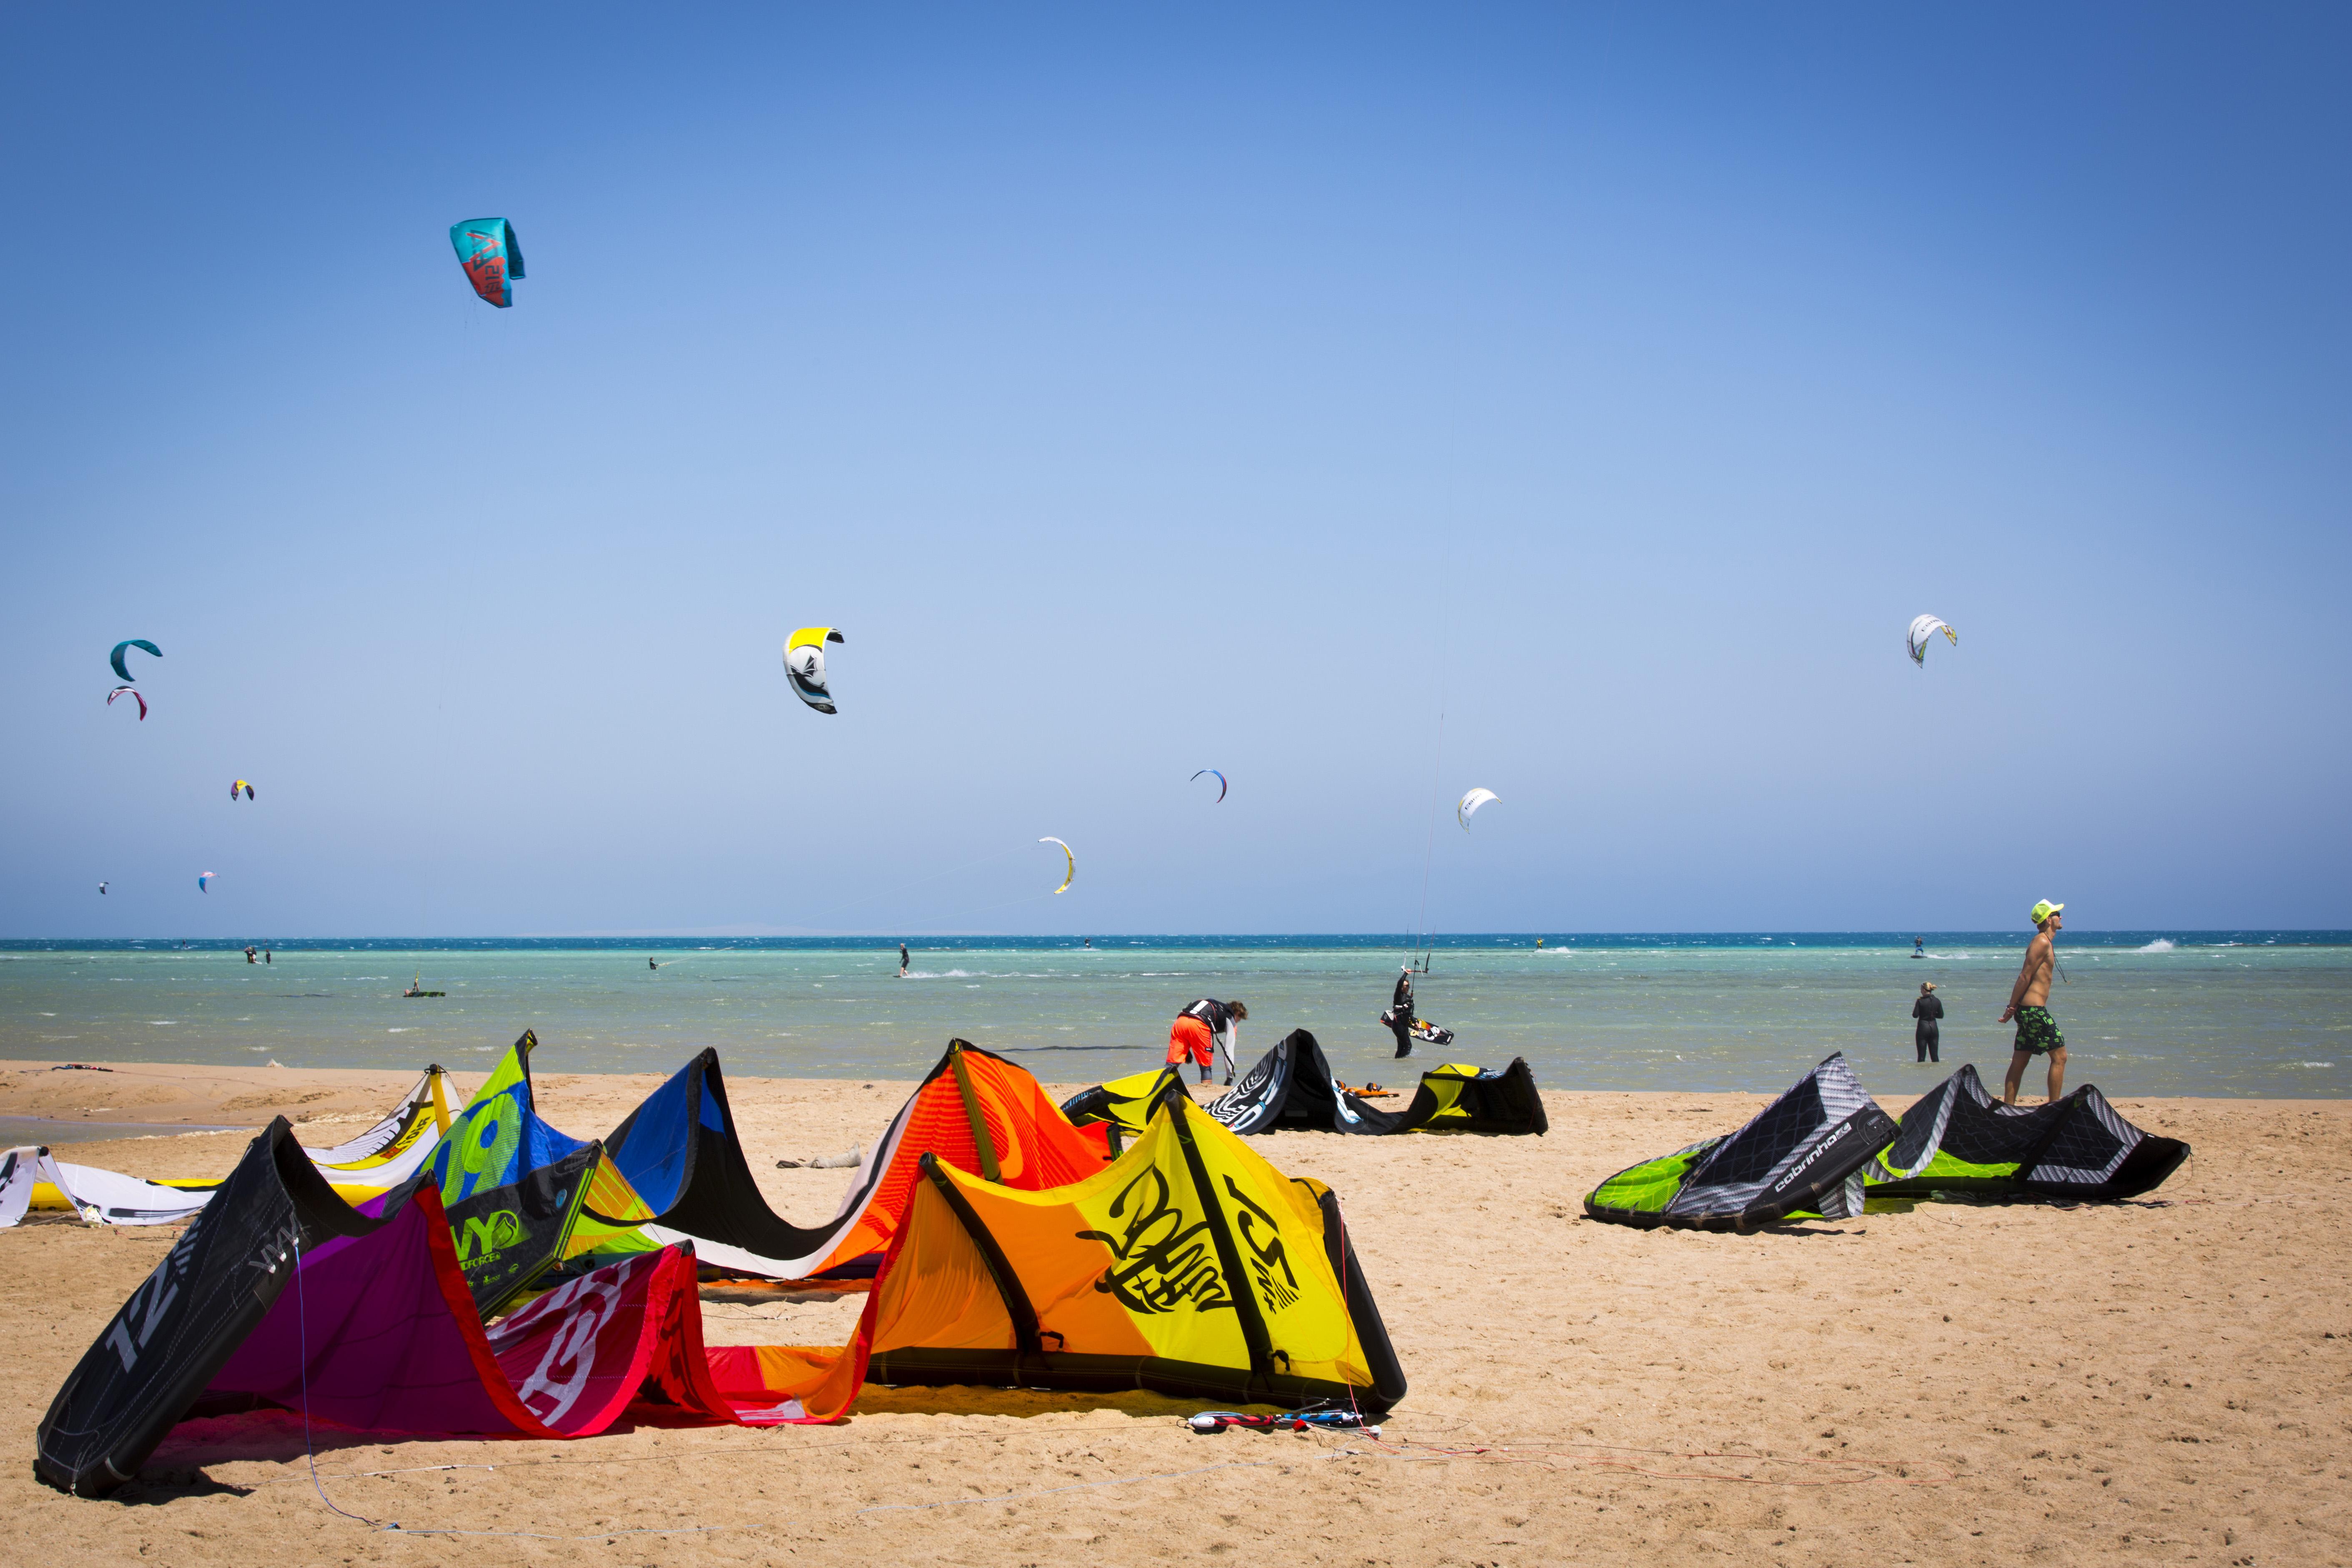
[(902, 960), (1400, 1011), (1929, 1012)]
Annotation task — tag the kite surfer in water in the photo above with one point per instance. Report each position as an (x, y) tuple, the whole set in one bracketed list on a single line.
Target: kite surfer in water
[(902, 960), (1399, 1013)]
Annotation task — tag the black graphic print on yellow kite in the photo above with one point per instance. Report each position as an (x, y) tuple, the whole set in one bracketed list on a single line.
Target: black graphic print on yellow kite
[(805, 666)]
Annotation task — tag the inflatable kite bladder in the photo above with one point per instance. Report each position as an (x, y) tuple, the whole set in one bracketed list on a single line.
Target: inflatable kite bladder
[(1802, 1153)]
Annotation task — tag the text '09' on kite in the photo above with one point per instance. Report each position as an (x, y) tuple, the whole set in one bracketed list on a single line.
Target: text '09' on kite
[(805, 666)]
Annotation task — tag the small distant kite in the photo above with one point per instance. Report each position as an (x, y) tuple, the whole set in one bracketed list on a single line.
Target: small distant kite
[(122, 670), (491, 256), (205, 881), (240, 784), (1469, 805), (1072, 874), (132, 693), (1925, 628), (101, 888), (1214, 774), (805, 666)]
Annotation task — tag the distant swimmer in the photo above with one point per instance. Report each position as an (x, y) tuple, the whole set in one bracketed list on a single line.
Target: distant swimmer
[(902, 960), (2028, 1004), (1200, 1030), (1918, 947), (1929, 1012)]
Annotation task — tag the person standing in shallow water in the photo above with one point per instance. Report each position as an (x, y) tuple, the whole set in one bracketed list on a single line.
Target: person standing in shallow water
[(1929, 1012), (902, 960), (2028, 1004), (1401, 1013)]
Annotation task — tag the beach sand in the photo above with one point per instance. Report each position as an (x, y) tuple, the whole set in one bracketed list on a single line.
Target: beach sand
[(2163, 1380)]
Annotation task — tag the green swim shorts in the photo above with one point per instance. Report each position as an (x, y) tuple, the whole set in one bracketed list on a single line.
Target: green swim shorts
[(2037, 1032)]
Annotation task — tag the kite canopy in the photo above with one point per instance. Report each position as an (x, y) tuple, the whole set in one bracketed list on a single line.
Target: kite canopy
[(1957, 1138), (122, 670), (1468, 805), (805, 666), (486, 249), (1119, 1110), (1803, 1152), (100, 1198), (133, 693), (1189, 1266), (205, 881), (1292, 1086), (1070, 872), (380, 1333), (1211, 774), (1468, 1099), (240, 784), (679, 1152), (1922, 630)]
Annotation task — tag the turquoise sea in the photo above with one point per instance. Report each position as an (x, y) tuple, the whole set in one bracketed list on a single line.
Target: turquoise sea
[(2265, 1014)]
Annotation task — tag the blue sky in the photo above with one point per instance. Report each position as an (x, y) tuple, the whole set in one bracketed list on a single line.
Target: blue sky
[(1242, 388)]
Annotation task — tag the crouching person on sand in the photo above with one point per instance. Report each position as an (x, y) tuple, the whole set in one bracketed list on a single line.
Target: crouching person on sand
[(1199, 1032)]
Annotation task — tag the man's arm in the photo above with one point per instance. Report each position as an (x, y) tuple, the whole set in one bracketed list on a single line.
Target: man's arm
[(2036, 950)]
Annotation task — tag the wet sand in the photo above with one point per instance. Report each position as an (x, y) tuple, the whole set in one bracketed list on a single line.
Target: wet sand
[(2163, 1380)]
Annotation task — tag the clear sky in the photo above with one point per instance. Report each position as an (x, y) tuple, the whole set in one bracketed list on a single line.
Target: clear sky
[(1242, 388)]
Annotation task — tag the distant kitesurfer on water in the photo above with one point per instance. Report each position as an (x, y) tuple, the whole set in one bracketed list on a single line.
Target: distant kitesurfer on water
[(249, 953), (266, 958), (902, 960), (1929, 1012), (1200, 1030), (1918, 947), (651, 965), (2028, 1004)]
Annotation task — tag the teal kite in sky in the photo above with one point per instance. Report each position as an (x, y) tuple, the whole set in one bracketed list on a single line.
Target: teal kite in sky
[(491, 256)]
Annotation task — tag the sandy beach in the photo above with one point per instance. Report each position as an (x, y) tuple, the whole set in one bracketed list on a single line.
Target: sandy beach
[(2161, 1381)]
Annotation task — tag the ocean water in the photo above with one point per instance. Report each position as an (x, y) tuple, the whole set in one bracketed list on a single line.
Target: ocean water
[(2262, 1014)]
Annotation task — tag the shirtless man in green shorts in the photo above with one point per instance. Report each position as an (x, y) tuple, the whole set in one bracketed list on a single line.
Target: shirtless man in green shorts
[(2028, 1004)]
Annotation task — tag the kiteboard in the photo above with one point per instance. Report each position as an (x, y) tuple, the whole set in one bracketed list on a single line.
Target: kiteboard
[(1422, 1029)]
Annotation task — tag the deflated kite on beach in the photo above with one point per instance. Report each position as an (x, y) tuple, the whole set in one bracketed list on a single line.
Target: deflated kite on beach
[(1189, 1266), (1805, 1152), (1957, 1138), (1292, 1086)]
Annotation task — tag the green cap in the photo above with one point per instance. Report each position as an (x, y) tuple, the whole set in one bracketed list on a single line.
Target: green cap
[(2042, 911)]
